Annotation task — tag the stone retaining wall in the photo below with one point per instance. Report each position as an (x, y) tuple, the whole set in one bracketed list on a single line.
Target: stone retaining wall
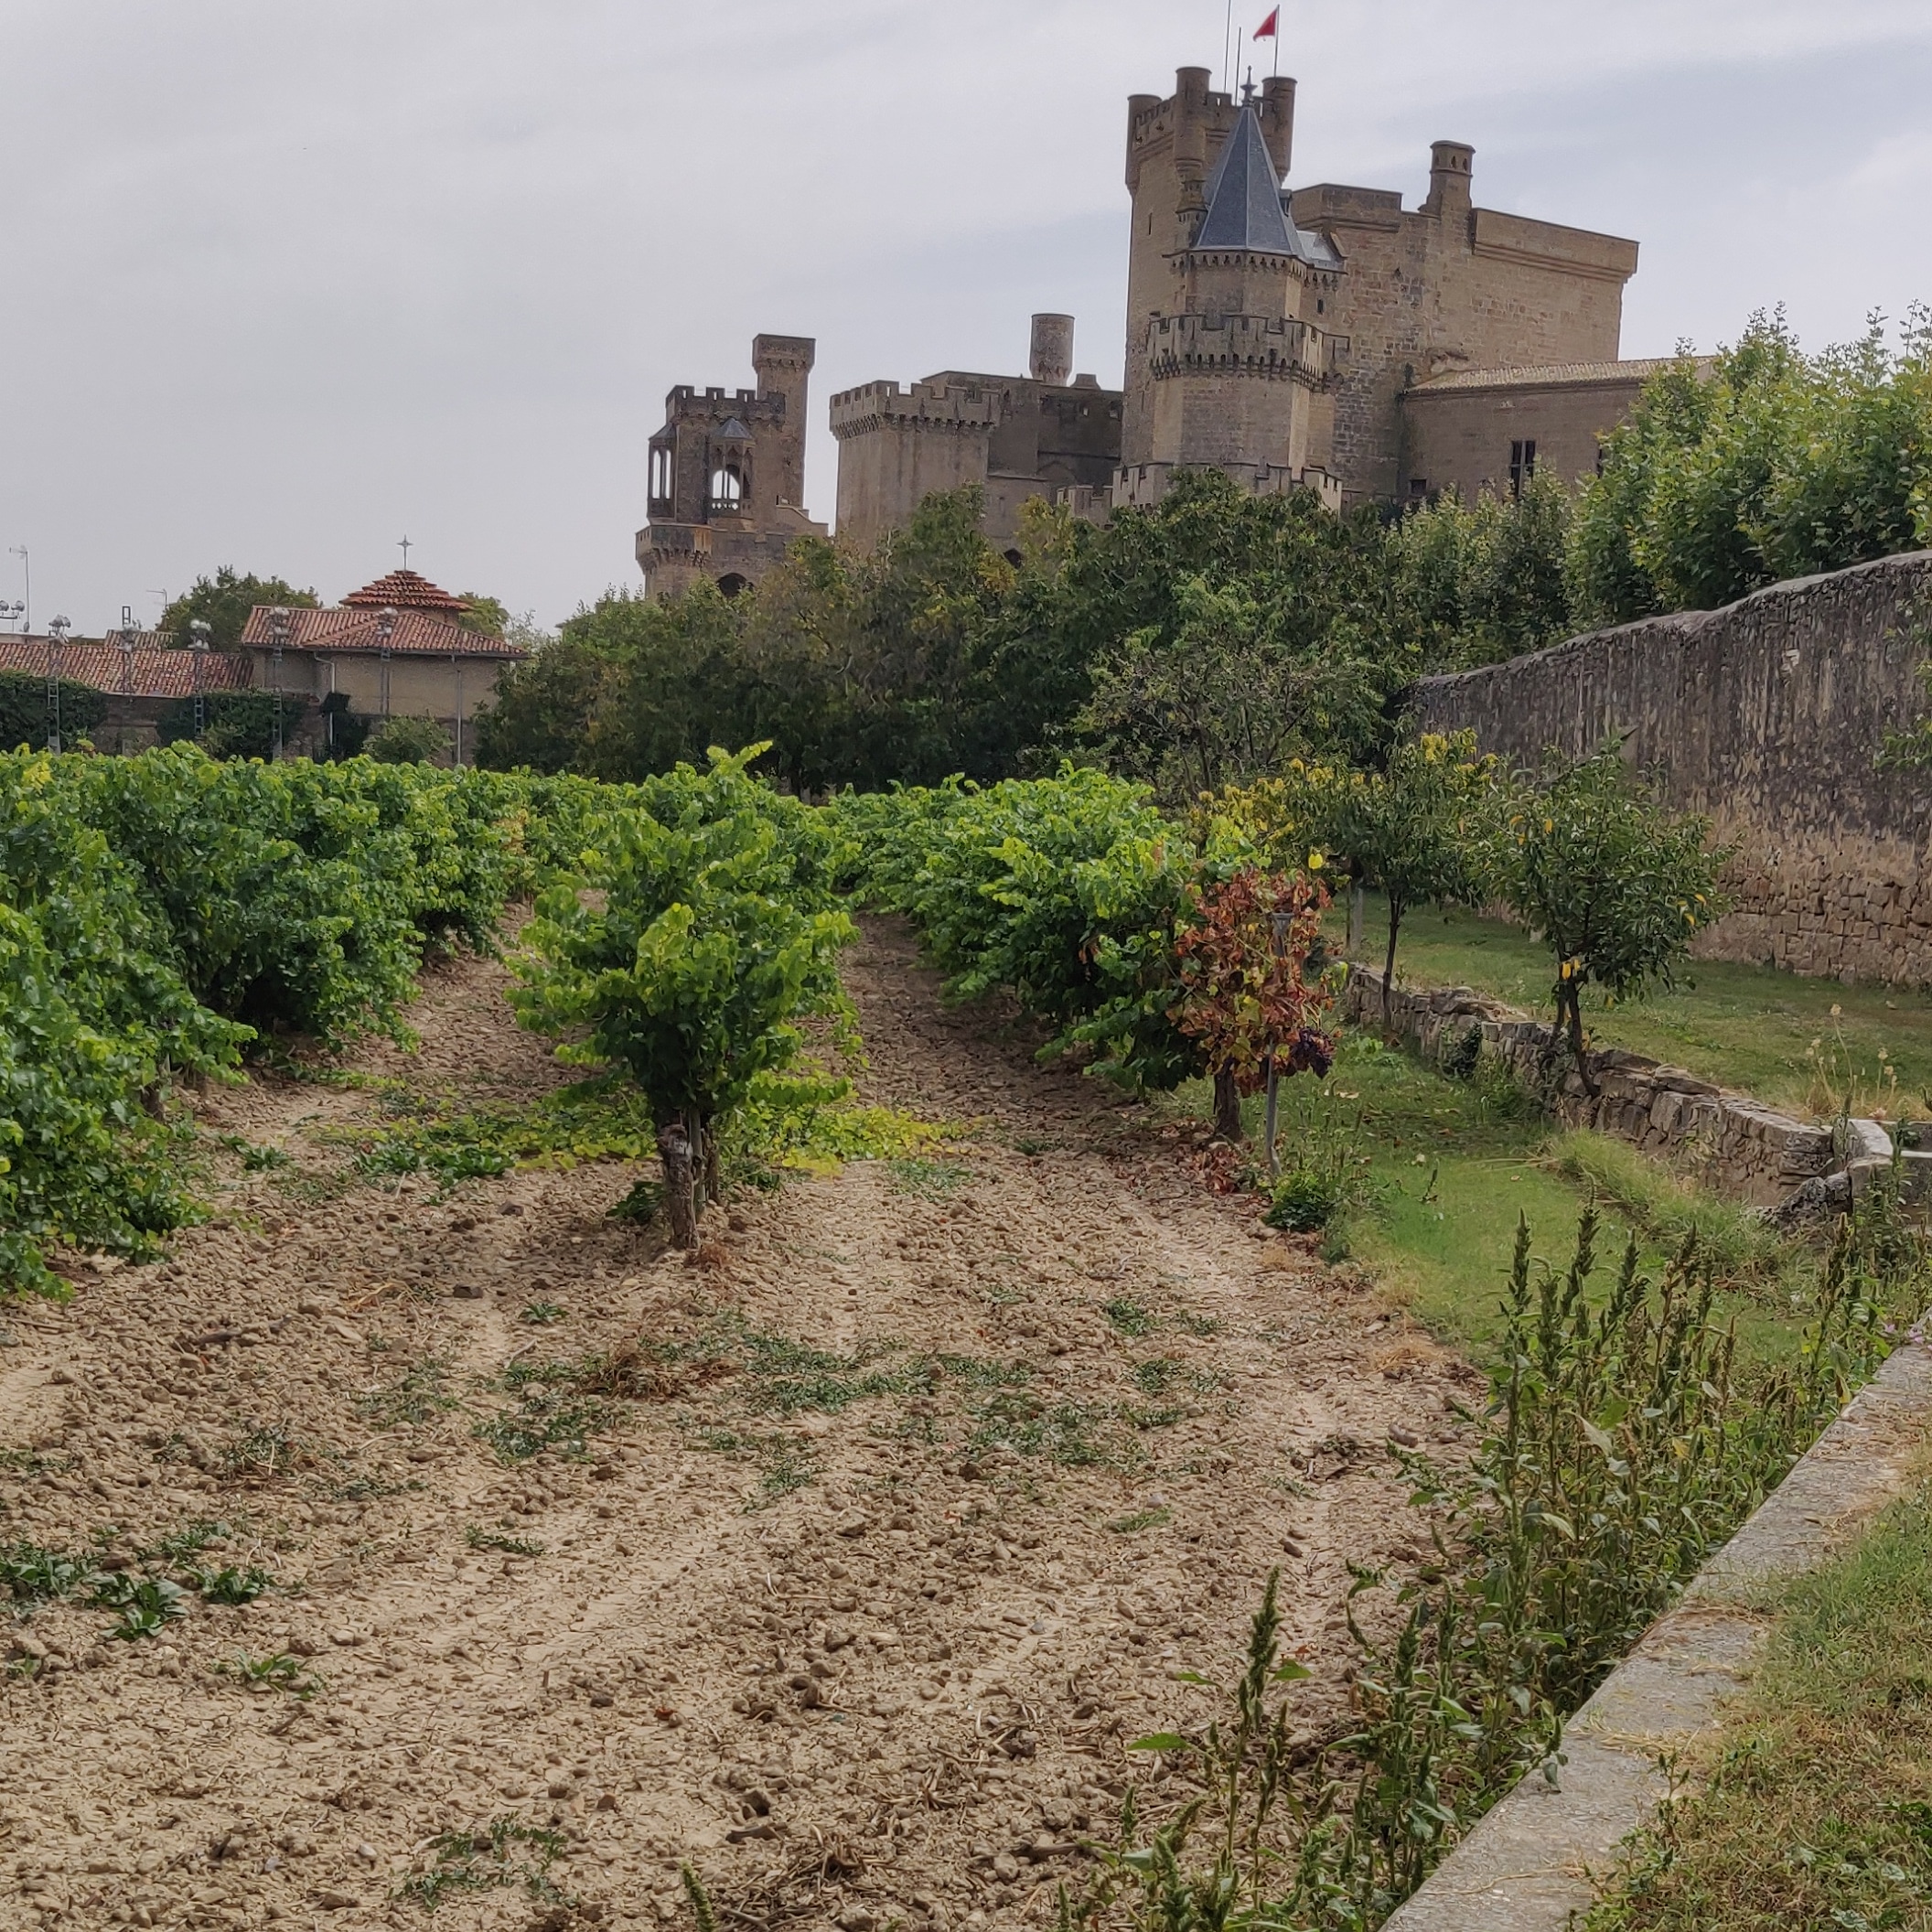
[(1742, 1147), (1769, 716)]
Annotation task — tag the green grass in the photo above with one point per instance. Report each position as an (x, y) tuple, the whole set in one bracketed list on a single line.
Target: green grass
[(1816, 1806), (1447, 1166), (1749, 1027)]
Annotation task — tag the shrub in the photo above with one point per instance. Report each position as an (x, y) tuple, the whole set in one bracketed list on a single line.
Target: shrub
[(1615, 886), (239, 724), (1067, 892), (407, 741), (1248, 999), (23, 710), (712, 935)]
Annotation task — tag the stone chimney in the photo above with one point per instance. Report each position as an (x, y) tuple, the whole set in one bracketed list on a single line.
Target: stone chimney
[(1450, 165), (1052, 357)]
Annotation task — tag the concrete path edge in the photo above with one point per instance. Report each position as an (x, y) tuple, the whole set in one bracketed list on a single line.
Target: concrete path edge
[(1534, 1862)]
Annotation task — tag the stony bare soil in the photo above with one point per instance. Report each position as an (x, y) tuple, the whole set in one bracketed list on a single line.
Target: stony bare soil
[(895, 1515)]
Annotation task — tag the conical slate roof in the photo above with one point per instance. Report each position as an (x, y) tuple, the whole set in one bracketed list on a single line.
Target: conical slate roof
[(1244, 195)]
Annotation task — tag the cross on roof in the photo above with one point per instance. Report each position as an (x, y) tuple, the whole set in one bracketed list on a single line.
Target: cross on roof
[(403, 547)]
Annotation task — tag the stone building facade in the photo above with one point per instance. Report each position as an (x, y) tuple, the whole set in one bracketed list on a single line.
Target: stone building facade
[(727, 475), (1478, 429), (1039, 434), (1377, 301)]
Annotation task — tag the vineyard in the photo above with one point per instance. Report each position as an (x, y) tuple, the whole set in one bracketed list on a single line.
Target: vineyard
[(622, 1372)]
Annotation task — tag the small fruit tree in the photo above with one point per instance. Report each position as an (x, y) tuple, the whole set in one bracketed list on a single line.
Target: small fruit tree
[(1248, 1001), (1588, 858), (1411, 829), (698, 935)]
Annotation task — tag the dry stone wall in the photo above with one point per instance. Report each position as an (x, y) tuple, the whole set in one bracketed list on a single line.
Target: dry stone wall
[(1768, 715), (1737, 1144)]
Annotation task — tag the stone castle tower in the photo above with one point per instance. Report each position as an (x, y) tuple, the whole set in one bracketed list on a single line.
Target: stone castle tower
[(1231, 356), (727, 475)]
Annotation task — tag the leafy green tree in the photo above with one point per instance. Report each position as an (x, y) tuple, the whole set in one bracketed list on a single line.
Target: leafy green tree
[(712, 933), (1591, 862), (545, 706), (488, 616), (223, 601), (1480, 582), (1228, 632), (1854, 481), (675, 689), (401, 740), (1766, 464), (1414, 829)]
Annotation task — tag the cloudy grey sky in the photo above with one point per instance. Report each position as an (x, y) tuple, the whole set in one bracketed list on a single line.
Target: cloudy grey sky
[(282, 281)]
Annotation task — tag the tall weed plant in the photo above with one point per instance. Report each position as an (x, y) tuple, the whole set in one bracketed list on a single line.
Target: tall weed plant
[(1621, 1443)]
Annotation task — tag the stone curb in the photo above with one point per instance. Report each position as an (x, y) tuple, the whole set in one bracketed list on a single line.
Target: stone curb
[(1528, 1865), (1745, 1147)]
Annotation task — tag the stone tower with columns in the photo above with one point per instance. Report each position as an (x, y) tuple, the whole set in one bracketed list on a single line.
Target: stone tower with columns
[(727, 475)]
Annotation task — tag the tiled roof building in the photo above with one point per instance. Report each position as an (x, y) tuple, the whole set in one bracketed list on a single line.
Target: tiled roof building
[(394, 647), (124, 667)]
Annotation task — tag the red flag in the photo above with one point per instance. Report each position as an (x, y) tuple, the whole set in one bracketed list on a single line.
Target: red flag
[(1265, 31)]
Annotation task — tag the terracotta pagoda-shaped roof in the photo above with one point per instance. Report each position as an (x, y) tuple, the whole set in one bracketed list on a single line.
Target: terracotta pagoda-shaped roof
[(403, 590)]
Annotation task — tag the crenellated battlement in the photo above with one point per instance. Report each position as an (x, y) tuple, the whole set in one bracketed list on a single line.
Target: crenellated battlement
[(873, 406), (1267, 347)]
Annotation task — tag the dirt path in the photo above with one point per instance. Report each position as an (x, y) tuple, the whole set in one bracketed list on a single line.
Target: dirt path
[(934, 1475)]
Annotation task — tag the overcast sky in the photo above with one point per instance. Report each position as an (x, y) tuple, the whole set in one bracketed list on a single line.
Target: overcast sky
[(284, 281)]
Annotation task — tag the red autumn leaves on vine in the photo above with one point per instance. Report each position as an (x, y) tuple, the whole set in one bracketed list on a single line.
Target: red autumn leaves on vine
[(1246, 994)]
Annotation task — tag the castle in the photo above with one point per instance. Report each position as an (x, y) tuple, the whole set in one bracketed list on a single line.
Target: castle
[(1324, 338)]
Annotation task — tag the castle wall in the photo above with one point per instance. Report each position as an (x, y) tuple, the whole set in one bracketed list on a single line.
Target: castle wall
[(1016, 437), (1460, 437), (1766, 715), (686, 539)]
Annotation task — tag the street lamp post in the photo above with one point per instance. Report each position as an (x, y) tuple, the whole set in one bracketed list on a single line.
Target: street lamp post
[(198, 630), (385, 629), (278, 637), (57, 632)]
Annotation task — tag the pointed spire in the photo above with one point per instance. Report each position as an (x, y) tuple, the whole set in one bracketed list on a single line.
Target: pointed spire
[(1244, 194)]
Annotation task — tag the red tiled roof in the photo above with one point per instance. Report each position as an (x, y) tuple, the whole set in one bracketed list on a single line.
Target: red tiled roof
[(417, 633), (403, 590), (146, 671)]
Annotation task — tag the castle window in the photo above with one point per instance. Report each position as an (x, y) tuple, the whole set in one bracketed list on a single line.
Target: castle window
[(1522, 465), (660, 474), (727, 488), (1418, 490)]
